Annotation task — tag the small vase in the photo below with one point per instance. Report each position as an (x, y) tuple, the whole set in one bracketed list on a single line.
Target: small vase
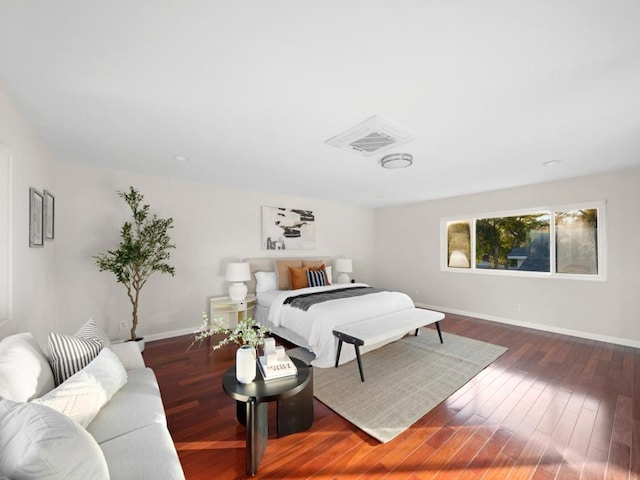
[(246, 364)]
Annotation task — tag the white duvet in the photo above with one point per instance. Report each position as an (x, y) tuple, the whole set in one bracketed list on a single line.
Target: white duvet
[(316, 325)]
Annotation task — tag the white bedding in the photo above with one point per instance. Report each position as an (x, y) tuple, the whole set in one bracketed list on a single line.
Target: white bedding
[(316, 325)]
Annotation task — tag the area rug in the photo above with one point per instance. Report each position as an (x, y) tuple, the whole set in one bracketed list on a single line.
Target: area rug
[(403, 380)]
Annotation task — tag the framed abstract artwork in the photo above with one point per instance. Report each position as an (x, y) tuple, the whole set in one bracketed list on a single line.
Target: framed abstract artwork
[(287, 229), (36, 206), (49, 214)]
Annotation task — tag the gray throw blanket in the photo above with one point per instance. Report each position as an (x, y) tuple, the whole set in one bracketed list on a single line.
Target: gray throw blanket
[(306, 300)]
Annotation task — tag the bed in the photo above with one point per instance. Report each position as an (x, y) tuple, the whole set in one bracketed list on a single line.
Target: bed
[(312, 329)]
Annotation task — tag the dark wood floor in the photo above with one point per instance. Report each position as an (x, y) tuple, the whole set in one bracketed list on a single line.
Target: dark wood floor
[(551, 407)]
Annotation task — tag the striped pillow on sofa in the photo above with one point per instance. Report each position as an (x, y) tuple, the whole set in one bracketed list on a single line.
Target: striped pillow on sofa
[(70, 354)]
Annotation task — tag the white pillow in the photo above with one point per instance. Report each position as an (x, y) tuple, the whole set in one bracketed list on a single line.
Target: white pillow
[(83, 394), (329, 276), (266, 281), (38, 442), (24, 370)]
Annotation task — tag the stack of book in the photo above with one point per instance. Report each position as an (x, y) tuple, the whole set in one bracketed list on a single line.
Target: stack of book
[(275, 363)]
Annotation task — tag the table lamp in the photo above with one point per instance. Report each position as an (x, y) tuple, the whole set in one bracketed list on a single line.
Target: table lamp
[(237, 274), (344, 267)]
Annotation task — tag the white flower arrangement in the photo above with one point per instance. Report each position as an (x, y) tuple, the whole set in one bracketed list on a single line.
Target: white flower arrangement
[(247, 332)]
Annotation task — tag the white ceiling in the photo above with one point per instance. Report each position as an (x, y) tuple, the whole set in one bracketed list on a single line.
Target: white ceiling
[(250, 90)]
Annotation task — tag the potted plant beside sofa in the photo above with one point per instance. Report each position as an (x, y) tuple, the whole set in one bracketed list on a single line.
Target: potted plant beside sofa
[(144, 249)]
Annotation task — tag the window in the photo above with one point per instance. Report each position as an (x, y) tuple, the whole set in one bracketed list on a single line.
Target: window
[(513, 243), (577, 241), (459, 244), (562, 241)]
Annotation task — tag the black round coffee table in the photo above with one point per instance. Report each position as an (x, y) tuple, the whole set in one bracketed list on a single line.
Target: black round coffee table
[(294, 408)]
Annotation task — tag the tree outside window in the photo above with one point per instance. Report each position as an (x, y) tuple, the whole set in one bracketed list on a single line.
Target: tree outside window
[(513, 243)]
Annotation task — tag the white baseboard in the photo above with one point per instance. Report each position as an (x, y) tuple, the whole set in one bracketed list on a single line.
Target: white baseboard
[(173, 333), (536, 326)]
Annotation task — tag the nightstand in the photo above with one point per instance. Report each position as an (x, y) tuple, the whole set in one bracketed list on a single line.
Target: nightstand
[(231, 311)]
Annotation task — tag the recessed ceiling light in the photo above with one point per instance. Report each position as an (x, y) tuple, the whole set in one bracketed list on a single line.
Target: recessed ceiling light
[(181, 159), (397, 160), (548, 163)]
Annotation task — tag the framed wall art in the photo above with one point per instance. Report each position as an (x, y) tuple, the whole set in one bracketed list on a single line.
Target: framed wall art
[(49, 214), (36, 206), (287, 229)]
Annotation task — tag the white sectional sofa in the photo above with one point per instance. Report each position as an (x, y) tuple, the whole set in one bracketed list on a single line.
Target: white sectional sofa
[(126, 439)]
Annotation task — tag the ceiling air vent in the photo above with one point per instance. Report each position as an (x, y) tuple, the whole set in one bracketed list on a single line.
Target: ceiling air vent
[(372, 136)]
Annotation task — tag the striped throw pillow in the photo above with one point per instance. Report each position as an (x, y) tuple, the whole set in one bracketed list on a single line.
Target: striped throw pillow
[(70, 354), (316, 278), (91, 330)]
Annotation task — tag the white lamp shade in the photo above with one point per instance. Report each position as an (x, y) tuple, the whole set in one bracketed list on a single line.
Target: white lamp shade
[(238, 272), (343, 265)]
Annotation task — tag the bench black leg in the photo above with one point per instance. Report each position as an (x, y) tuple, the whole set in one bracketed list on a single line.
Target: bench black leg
[(439, 331), (359, 362), (339, 350)]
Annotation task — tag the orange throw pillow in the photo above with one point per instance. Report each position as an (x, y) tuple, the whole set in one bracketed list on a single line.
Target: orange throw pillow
[(313, 264), (298, 277), (282, 269)]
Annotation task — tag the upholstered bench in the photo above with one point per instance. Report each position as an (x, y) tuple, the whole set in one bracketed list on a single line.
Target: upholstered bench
[(385, 327)]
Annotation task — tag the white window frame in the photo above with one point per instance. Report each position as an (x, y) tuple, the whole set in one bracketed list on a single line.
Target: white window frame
[(600, 205)]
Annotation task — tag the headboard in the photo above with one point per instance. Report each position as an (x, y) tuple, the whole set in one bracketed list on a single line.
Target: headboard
[(267, 264)]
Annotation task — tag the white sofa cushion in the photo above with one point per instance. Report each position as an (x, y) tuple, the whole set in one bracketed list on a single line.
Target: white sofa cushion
[(129, 354), (70, 354), (38, 442), (24, 370), (136, 405), (152, 457), (83, 394)]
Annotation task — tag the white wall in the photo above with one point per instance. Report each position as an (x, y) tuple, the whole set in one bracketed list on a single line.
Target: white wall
[(408, 248), (5, 235), (212, 225), (57, 287), (32, 277)]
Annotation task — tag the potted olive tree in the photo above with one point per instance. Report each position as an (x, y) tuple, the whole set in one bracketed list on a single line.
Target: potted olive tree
[(144, 249)]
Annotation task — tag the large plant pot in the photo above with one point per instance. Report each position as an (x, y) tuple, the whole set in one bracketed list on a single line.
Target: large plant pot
[(140, 342), (246, 364)]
